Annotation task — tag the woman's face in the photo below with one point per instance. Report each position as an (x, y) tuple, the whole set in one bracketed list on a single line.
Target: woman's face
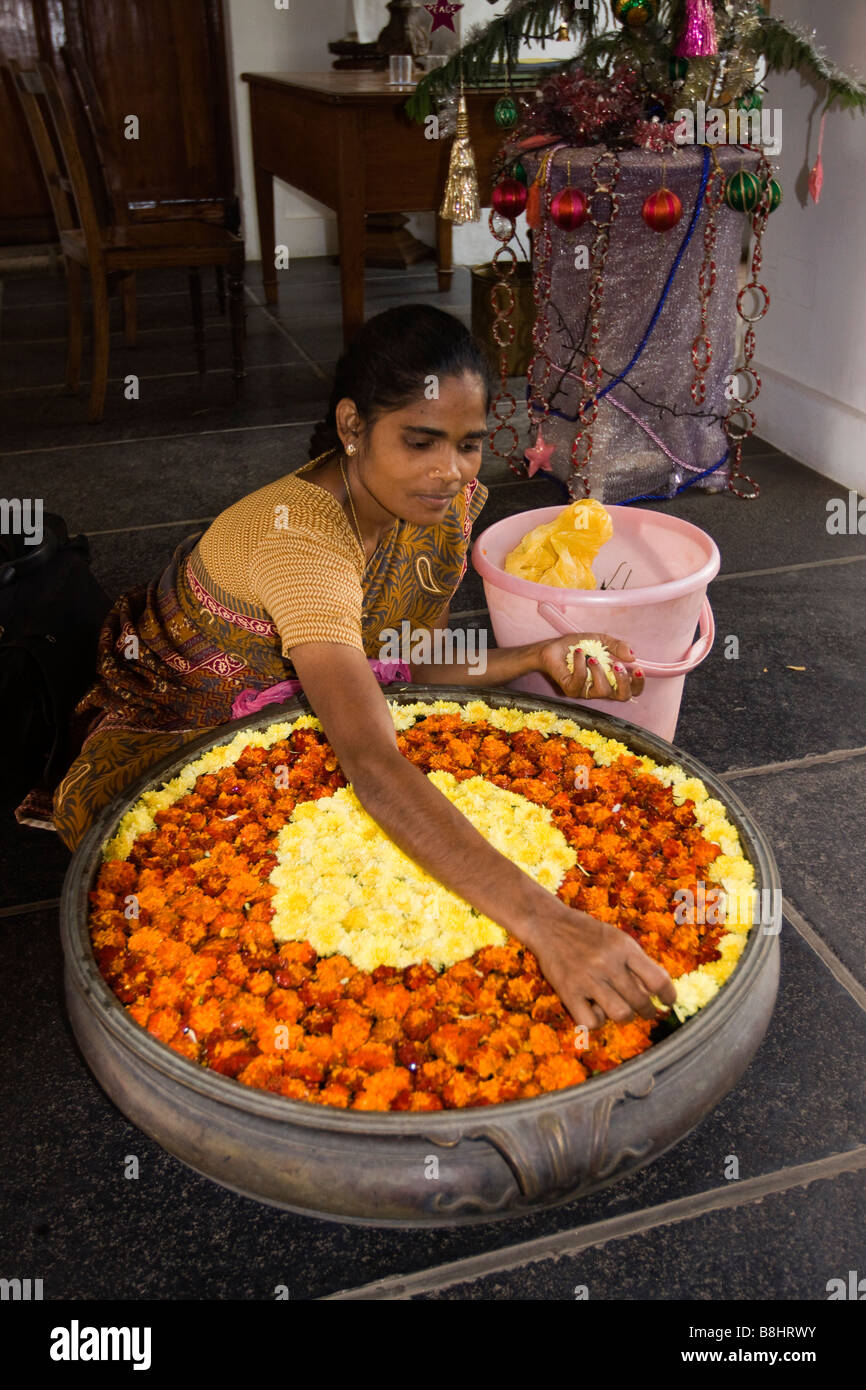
[(413, 461)]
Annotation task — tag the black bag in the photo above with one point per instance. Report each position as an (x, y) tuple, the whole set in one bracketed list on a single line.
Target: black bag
[(51, 612)]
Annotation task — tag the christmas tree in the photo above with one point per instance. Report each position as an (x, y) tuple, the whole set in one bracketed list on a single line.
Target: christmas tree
[(680, 50)]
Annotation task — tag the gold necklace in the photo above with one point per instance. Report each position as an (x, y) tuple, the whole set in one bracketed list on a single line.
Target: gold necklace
[(355, 515)]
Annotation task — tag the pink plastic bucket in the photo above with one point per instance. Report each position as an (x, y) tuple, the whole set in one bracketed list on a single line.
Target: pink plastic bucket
[(671, 564)]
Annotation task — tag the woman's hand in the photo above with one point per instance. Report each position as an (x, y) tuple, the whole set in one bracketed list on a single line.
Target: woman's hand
[(588, 681), (597, 970)]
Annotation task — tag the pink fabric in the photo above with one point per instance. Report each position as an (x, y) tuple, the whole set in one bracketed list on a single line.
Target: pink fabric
[(816, 174), (251, 701)]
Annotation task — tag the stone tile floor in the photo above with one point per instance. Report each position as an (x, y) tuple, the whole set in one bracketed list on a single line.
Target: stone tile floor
[(791, 742)]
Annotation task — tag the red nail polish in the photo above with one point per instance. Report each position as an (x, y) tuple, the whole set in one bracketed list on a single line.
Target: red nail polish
[(638, 673), (591, 661), (630, 651)]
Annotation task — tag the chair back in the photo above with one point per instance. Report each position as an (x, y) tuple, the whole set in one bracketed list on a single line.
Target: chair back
[(58, 152), (104, 149)]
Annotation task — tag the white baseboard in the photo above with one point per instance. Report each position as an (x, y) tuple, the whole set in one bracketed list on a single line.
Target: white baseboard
[(824, 433)]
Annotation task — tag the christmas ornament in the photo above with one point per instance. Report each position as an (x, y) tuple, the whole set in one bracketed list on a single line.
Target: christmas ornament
[(569, 209), (562, 33), (539, 456), (519, 172), (635, 13), (773, 191), (816, 173), (698, 39), (677, 69), (461, 202), (662, 210), (533, 205), (743, 192), (505, 113), (509, 197), (753, 102), (442, 14)]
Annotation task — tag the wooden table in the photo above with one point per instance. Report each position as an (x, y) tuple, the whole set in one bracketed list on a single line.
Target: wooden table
[(345, 139)]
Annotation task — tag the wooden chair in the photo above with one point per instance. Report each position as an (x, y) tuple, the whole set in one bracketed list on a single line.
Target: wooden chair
[(115, 193), (116, 250)]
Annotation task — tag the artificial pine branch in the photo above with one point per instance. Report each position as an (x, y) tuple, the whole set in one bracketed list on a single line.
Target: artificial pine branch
[(787, 48)]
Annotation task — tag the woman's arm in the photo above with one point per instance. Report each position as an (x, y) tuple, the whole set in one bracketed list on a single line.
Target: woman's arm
[(504, 664), (583, 959)]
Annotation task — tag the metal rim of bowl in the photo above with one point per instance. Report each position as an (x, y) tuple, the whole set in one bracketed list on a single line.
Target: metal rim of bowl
[(81, 962)]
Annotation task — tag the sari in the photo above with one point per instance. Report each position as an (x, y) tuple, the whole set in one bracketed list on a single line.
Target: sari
[(175, 654)]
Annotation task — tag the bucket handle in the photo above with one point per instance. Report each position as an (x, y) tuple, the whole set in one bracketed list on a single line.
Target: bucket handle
[(556, 617)]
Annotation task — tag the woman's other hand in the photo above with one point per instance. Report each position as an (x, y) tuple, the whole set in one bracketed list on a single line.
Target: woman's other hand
[(587, 681)]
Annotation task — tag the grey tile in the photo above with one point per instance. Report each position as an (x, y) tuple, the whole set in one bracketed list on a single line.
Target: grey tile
[(146, 482), (69, 1212), (788, 1246), (813, 817), (786, 525), (168, 405), (756, 709), (32, 862)]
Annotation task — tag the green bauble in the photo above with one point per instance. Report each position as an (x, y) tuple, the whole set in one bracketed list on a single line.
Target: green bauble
[(505, 112), (774, 189), (519, 172), (636, 13), (677, 69), (743, 192), (754, 102)]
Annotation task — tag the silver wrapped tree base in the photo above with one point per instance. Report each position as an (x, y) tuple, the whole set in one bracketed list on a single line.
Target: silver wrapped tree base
[(627, 462)]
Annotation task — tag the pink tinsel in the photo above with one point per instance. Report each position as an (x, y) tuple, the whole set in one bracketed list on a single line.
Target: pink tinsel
[(698, 39), (251, 701)]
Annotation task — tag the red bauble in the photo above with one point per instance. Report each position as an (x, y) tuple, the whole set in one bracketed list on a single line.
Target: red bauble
[(569, 209), (509, 197), (662, 210)]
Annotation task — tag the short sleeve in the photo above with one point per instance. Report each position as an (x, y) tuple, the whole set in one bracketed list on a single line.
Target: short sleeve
[(310, 585)]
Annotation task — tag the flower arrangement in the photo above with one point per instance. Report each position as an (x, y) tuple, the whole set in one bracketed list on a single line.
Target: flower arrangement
[(189, 931)]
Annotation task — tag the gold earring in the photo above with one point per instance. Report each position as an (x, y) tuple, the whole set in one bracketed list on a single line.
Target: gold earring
[(350, 448)]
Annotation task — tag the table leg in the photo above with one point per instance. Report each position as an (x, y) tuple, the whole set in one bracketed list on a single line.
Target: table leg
[(444, 261), (265, 211), (350, 227)]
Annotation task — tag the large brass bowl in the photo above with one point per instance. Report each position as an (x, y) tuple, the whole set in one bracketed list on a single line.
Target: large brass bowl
[(491, 1162)]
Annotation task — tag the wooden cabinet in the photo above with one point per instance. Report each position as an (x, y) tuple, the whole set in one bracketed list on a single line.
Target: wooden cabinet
[(164, 62)]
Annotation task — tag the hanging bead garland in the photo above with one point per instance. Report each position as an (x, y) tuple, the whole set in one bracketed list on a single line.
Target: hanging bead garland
[(604, 188), (502, 303), (539, 368), (738, 433), (702, 348)]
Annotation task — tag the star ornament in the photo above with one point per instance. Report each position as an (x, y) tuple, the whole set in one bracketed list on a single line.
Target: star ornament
[(539, 456), (442, 14)]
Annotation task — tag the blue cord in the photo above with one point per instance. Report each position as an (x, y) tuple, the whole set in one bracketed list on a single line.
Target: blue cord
[(705, 176), (666, 497)]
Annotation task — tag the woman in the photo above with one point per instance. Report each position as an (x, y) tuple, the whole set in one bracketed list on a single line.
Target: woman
[(298, 579)]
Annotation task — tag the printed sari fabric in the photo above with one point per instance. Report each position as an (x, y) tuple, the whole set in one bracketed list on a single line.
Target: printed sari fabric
[(174, 655)]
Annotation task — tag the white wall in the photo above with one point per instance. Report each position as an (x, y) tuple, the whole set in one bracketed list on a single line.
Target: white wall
[(811, 344), (262, 38)]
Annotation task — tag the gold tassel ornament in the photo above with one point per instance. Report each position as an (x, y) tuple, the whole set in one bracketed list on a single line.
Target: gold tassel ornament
[(461, 202)]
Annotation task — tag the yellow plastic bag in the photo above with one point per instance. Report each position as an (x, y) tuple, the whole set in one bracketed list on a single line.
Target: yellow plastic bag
[(561, 552)]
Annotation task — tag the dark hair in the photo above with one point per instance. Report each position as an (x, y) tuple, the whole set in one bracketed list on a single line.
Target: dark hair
[(386, 364)]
